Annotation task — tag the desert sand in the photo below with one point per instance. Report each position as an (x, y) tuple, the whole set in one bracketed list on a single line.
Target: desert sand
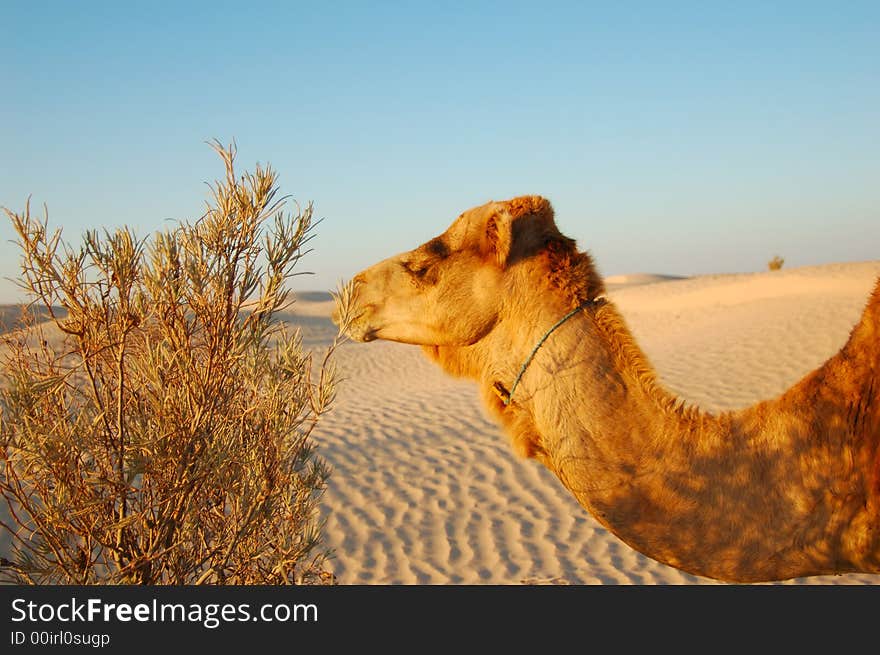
[(426, 489)]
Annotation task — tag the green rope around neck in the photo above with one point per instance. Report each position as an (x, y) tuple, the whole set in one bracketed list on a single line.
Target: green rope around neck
[(507, 396)]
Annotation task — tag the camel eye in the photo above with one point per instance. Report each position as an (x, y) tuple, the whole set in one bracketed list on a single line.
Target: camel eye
[(416, 269)]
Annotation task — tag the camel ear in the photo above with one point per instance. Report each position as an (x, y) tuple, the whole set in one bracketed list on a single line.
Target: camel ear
[(517, 228)]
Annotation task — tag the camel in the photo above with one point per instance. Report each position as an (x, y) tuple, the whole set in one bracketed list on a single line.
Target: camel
[(789, 487)]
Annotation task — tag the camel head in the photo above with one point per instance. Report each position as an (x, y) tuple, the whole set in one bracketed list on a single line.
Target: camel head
[(450, 290)]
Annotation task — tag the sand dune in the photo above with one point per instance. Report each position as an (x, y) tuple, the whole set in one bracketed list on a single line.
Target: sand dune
[(426, 489), (634, 279)]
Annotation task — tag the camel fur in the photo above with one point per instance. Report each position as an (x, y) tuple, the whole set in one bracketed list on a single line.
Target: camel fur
[(789, 487)]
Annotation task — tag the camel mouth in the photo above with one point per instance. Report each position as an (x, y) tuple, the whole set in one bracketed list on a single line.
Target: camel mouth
[(363, 333), (356, 328), (367, 336)]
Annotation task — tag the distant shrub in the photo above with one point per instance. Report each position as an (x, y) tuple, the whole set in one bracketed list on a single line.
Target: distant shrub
[(776, 263), (166, 438)]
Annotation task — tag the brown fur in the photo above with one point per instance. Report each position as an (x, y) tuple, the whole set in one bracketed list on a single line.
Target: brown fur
[(789, 487)]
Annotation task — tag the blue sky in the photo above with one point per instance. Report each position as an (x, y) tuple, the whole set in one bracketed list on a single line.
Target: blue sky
[(681, 138)]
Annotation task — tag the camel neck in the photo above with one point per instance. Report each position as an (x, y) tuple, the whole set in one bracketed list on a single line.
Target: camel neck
[(709, 494), (507, 396), (592, 379)]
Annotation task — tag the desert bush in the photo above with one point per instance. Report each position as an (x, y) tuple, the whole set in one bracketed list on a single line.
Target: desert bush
[(164, 437), (776, 263)]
